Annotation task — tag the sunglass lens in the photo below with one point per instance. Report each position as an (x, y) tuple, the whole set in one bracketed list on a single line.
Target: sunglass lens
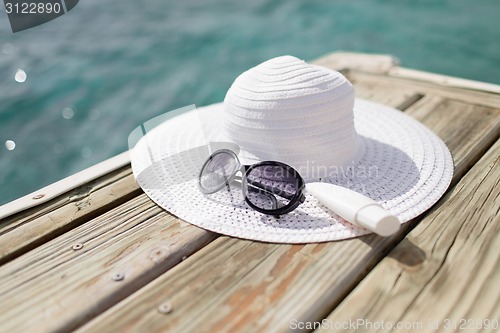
[(218, 171), (270, 187)]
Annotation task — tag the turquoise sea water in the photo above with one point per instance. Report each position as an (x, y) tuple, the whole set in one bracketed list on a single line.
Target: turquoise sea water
[(99, 71)]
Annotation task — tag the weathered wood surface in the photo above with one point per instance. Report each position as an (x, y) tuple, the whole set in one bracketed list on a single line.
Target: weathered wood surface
[(69, 279), (476, 133), (227, 285), (63, 186), (446, 268), (373, 63), (286, 282), (425, 88), (24, 231)]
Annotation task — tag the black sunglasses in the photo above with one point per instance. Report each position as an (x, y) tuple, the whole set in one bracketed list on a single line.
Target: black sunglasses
[(269, 187)]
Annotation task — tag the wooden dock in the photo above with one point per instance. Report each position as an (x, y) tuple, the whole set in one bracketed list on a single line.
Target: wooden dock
[(93, 253)]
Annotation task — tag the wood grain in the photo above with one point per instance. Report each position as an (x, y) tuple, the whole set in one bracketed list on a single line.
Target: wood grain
[(26, 230), (388, 66), (65, 185), (388, 93), (184, 288), (345, 61), (303, 282), (447, 267), (59, 287), (474, 97), (391, 95), (475, 133)]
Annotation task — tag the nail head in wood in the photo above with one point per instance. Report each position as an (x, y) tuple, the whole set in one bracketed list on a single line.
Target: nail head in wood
[(118, 276), (77, 246), (165, 308)]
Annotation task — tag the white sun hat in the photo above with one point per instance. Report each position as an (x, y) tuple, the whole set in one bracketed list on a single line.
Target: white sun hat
[(305, 116)]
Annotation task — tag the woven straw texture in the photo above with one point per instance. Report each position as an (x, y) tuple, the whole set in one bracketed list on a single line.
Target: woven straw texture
[(303, 115)]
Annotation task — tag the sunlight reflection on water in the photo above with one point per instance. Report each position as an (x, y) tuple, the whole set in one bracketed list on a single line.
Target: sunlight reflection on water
[(20, 76), (10, 145)]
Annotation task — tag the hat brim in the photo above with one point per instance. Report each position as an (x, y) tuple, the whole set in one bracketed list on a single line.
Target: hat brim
[(403, 165)]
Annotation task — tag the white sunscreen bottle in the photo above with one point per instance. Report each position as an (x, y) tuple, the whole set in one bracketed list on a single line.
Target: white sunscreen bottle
[(356, 208)]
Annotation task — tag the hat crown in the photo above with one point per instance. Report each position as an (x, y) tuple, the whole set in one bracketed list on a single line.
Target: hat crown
[(287, 110)]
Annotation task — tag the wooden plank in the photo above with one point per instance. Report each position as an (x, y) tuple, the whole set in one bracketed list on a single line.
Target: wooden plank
[(62, 186), (447, 267), (475, 133), (443, 80), (12, 221), (371, 63), (303, 282), (185, 287), (24, 231), (257, 298), (487, 99), (69, 279), (388, 94), (388, 65)]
